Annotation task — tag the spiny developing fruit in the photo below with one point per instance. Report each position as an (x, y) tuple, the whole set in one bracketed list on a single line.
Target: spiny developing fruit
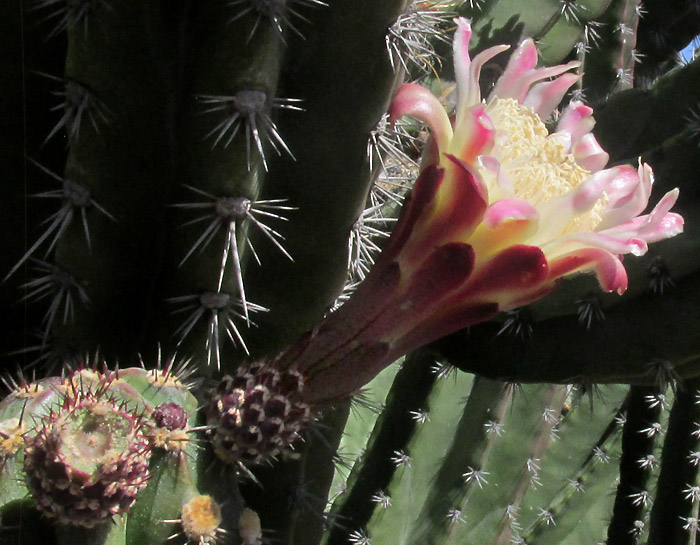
[(88, 460), (170, 416), (257, 414), (171, 431)]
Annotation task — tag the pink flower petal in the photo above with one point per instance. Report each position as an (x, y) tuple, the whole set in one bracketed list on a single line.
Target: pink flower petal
[(608, 268), (462, 61), (589, 154), (509, 210), (474, 136), (618, 245), (556, 214), (473, 92), (416, 101), (585, 195), (521, 74), (628, 196), (657, 225), (523, 59), (670, 225), (577, 120), (493, 165), (539, 74), (546, 96)]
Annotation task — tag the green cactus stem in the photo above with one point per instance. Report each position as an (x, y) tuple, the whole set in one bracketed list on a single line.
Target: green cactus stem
[(638, 437), (674, 515)]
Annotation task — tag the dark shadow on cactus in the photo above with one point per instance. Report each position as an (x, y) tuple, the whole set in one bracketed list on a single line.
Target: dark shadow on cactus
[(665, 29), (22, 523), (635, 333)]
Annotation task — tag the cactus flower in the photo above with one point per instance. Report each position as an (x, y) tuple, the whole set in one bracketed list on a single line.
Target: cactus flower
[(501, 210)]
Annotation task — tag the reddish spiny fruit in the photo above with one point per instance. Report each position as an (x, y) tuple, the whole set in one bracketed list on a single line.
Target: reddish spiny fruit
[(170, 432), (257, 413), (88, 460), (170, 416)]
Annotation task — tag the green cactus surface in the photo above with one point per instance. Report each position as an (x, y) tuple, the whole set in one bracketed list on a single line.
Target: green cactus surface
[(227, 320)]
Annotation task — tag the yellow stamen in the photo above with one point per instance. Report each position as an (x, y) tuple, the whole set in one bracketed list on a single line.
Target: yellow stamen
[(534, 161)]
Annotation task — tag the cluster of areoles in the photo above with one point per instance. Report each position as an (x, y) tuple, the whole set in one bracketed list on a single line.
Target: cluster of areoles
[(219, 310), (390, 151), (248, 113), (248, 109), (279, 13), (410, 40), (63, 288), (66, 14), (78, 103), (75, 199), (230, 218)]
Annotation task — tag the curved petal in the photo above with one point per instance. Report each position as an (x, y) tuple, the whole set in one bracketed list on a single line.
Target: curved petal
[(657, 225), (608, 268), (416, 101), (584, 197), (462, 62), (671, 225), (504, 184), (523, 59), (471, 177), (589, 154), (521, 74), (473, 91), (539, 74), (509, 210), (415, 205), (507, 222), (544, 97), (452, 215), (474, 136), (576, 119), (517, 269), (557, 213), (629, 195), (618, 245)]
